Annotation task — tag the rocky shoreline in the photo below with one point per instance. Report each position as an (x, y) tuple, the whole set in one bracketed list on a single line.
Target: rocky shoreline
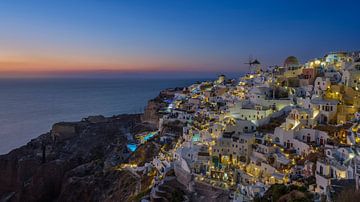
[(76, 161), (71, 155)]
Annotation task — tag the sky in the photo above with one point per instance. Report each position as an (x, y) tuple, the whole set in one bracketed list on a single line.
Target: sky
[(74, 37)]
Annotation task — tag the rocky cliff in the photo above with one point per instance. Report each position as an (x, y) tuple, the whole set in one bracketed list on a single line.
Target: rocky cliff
[(80, 161), (73, 162), (152, 112)]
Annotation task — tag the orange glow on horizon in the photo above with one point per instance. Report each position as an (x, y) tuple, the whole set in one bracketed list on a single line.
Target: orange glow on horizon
[(42, 65)]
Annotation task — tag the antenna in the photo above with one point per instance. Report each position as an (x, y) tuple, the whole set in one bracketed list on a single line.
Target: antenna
[(273, 69)]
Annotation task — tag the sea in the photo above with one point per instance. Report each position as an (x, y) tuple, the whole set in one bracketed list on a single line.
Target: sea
[(29, 107)]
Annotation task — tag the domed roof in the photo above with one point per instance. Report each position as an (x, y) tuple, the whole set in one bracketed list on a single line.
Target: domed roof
[(291, 61)]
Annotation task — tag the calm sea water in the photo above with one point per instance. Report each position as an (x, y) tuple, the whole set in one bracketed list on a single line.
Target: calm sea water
[(29, 107)]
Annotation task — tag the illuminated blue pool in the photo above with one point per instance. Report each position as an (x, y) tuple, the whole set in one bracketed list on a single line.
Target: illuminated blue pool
[(149, 136), (196, 138), (132, 147)]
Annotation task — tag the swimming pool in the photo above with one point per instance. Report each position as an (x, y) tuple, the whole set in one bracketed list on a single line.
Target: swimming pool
[(132, 147), (150, 135)]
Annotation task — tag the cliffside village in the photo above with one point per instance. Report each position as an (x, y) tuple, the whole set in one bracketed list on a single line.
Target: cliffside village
[(296, 124)]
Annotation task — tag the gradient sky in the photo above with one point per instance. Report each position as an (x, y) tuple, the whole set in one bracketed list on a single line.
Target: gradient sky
[(68, 37)]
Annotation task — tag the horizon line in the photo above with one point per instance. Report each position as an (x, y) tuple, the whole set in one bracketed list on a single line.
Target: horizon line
[(90, 74)]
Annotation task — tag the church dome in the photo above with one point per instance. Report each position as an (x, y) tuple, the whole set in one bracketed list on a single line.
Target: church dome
[(291, 61)]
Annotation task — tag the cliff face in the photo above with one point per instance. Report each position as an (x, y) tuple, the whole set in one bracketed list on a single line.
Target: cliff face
[(73, 162), (76, 161), (152, 111)]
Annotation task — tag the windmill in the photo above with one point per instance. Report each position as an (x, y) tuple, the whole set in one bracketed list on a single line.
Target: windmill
[(252, 62)]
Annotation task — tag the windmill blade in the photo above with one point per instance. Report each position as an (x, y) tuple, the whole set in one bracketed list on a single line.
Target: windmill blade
[(251, 58)]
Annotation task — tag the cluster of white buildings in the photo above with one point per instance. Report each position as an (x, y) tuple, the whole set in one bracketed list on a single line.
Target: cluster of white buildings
[(294, 124)]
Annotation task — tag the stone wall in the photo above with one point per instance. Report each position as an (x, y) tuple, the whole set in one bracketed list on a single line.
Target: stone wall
[(63, 131)]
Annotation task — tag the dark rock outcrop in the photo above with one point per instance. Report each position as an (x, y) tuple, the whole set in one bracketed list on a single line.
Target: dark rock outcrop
[(73, 162), (154, 108), (77, 161)]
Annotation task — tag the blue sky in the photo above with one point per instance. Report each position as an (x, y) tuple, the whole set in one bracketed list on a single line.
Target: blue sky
[(170, 36)]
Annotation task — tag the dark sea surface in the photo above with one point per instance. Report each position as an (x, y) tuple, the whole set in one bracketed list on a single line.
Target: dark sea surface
[(29, 107)]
